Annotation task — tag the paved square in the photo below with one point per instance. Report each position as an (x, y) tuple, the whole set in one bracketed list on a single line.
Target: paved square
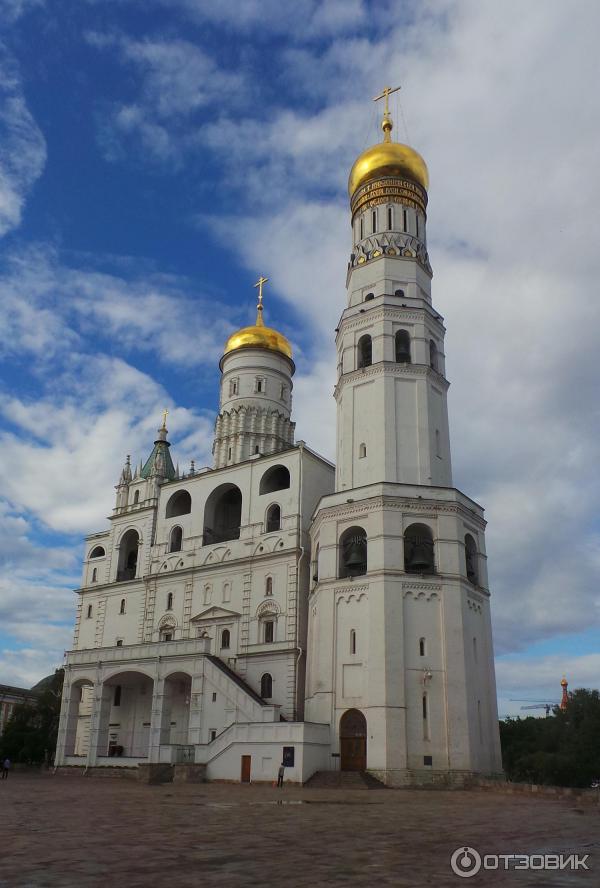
[(75, 831)]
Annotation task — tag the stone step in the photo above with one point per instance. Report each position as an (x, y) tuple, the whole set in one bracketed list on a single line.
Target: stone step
[(344, 780)]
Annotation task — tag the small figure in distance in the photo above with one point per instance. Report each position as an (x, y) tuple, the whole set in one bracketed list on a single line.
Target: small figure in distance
[(5, 768), (280, 774)]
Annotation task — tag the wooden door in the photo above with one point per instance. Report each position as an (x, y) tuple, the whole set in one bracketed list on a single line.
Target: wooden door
[(246, 768), (353, 753)]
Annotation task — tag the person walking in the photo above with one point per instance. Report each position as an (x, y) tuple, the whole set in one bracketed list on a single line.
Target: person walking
[(280, 774), (5, 768)]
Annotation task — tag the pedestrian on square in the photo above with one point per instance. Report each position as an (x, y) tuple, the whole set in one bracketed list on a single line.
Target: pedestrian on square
[(5, 768), (280, 774)]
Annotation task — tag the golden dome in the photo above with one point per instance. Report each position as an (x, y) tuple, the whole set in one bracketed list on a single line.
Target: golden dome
[(259, 336), (388, 159)]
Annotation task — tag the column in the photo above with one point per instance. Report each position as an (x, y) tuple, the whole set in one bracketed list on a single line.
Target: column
[(157, 720), (99, 720)]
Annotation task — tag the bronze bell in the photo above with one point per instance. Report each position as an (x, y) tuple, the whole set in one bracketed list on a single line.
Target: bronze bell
[(420, 559), (355, 556)]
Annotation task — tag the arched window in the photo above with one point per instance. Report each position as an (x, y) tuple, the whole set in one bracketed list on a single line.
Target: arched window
[(273, 518), (399, 293), (266, 686), (364, 352), (433, 355), (223, 514), (128, 556), (390, 215), (269, 631), (122, 608), (353, 552), (471, 559), (207, 594), (97, 552), (402, 347), (353, 641), (166, 635), (176, 539), (269, 586), (418, 549), (421, 647), (374, 221), (94, 575), (179, 504), (225, 639), (136, 498), (362, 451), (369, 296), (275, 478), (226, 591), (170, 601), (89, 611)]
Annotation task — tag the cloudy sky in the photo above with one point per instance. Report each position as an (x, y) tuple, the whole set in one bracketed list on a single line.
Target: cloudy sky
[(157, 155)]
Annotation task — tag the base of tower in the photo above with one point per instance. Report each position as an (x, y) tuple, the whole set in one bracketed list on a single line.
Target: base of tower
[(427, 777)]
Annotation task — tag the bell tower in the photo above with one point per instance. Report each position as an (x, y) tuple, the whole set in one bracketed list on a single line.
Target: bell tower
[(400, 658)]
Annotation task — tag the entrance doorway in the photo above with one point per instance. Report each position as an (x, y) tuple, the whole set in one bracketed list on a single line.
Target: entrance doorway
[(353, 741), (246, 768)]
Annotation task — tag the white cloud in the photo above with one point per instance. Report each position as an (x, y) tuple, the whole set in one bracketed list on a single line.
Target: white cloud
[(23, 153)]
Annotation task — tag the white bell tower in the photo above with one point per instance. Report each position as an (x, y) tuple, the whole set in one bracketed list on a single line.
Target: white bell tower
[(400, 658)]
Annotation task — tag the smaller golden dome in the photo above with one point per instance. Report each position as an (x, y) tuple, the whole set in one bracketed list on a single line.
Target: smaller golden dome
[(259, 336), (388, 159)]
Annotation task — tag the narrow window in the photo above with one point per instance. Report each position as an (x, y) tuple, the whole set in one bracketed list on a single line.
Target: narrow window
[(390, 218), (119, 642), (404, 220), (266, 686), (214, 697), (226, 591), (374, 221), (229, 453), (362, 228), (433, 361), (364, 357), (94, 575), (213, 735), (176, 539), (259, 385), (402, 343), (421, 647), (283, 393), (122, 609), (233, 387), (170, 601), (89, 611), (256, 449), (269, 631), (117, 697), (362, 451), (269, 586), (417, 218), (475, 649), (273, 518), (353, 641), (471, 559), (136, 498), (425, 719), (479, 721), (225, 639), (207, 593), (438, 451)]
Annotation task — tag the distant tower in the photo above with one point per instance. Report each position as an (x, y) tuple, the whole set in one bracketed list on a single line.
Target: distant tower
[(256, 393), (400, 643), (564, 702)]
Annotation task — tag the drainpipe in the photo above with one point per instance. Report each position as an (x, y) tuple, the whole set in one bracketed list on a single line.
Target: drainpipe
[(298, 560)]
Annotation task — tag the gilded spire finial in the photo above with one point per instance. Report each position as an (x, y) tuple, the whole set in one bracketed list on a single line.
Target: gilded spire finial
[(164, 420), (259, 308), (387, 123)]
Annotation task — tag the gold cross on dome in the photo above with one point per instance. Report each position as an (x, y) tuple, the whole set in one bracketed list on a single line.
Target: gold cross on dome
[(260, 283), (387, 91), (165, 414)]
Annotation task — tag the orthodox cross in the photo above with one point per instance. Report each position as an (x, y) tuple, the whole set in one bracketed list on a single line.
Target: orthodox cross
[(260, 283), (387, 91)]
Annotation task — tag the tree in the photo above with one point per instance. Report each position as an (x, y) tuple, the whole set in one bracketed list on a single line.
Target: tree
[(31, 732), (561, 750)]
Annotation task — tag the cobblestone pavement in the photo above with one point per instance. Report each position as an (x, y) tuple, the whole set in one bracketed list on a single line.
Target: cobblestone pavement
[(76, 832)]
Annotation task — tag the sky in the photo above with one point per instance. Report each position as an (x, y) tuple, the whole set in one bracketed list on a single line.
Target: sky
[(156, 156)]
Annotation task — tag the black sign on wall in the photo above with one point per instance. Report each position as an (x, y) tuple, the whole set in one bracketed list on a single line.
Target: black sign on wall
[(288, 756)]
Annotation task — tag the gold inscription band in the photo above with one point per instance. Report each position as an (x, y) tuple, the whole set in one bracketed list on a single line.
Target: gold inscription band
[(389, 190)]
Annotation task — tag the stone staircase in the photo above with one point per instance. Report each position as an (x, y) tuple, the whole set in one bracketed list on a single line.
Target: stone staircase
[(344, 780)]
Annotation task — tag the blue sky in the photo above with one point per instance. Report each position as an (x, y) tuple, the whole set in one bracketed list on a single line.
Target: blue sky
[(157, 156)]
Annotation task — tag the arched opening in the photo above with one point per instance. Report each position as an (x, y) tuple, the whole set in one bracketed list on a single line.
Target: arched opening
[(273, 518), (223, 514), (79, 711), (128, 556), (95, 575), (225, 640), (266, 686), (136, 498), (122, 606), (362, 451), (170, 601), (269, 586), (418, 549), (174, 728), (353, 552), (353, 641), (176, 539), (421, 647), (179, 504), (399, 293), (268, 630), (97, 552), (402, 347), (471, 559), (369, 296), (364, 352), (89, 612), (433, 355), (353, 741), (126, 732), (275, 478)]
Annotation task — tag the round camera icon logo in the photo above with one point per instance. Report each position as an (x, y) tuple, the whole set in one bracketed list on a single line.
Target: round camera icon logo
[(465, 862)]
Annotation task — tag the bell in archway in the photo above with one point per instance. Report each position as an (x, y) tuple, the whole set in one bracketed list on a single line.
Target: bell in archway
[(420, 560), (355, 557)]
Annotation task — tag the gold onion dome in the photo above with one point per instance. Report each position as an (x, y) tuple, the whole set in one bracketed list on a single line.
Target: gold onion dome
[(259, 336), (388, 159)]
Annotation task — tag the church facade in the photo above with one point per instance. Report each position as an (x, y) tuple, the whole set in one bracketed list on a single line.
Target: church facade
[(275, 607)]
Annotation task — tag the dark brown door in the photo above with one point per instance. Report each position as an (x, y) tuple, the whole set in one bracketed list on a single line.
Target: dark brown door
[(353, 741), (246, 767)]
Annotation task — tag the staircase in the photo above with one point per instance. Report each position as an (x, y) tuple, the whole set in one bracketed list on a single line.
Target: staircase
[(343, 780)]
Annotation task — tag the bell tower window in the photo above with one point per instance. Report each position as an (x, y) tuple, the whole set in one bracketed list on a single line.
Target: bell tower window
[(390, 215), (374, 221), (404, 220), (364, 357), (353, 553), (418, 549)]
